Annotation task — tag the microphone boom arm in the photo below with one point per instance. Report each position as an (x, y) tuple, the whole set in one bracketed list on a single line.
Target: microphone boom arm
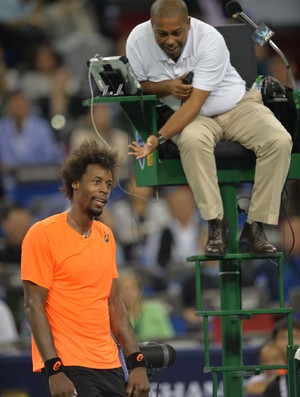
[(286, 63), (244, 18)]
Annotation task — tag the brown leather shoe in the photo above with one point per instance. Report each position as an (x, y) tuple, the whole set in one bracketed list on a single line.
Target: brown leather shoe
[(254, 240), (216, 242)]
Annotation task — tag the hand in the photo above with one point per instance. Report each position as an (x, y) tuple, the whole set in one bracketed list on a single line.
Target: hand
[(180, 90), (61, 386), (143, 151), (138, 384)]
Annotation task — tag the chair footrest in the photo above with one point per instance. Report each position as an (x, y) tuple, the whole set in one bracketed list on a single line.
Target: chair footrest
[(242, 369), (245, 313), (238, 255)]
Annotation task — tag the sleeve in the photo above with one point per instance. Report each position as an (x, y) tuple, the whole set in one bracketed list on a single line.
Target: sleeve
[(115, 269), (36, 261), (133, 54), (213, 61), (109, 238)]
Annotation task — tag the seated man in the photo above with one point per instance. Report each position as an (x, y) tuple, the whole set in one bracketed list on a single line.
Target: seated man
[(215, 107)]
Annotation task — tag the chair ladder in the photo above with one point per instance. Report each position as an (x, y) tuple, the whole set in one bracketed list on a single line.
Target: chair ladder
[(232, 314)]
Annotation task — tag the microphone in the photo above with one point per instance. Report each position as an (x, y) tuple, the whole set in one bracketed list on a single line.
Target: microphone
[(234, 10), (262, 34), (158, 356)]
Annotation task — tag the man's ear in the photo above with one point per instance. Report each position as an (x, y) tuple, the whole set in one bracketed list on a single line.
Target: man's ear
[(75, 185), (189, 22)]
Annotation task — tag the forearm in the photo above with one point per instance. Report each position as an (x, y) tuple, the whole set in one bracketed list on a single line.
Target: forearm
[(176, 123), (137, 382), (183, 116), (121, 327), (41, 331), (160, 89), (179, 120), (35, 298)]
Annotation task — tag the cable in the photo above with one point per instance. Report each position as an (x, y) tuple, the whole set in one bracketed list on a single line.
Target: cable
[(92, 102), (101, 137)]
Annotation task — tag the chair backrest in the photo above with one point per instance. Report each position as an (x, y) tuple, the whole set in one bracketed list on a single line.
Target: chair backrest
[(241, 48)]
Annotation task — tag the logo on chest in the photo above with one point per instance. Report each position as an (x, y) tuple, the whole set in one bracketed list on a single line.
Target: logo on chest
[(106, 237)]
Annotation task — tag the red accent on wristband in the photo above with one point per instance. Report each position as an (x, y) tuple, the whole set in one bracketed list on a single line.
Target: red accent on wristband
[(53, 366), (136, 360)]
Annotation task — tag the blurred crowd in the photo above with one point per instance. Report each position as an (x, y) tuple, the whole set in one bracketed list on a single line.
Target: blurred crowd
[(44, 48)]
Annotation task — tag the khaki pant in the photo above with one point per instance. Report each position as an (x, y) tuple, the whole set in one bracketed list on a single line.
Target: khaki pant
[(255, 127)]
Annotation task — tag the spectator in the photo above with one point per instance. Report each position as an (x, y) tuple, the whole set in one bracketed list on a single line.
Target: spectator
[(16, 222), (278, 70), (182, 235), (72, 30), (49, 84), (179, 238), (5, 88), (26, 139), (269, 354), (102, 121), (8, 329), (279, 387), (21, 28), (149, 317), (291, 248), (280, 335), (135, 218)]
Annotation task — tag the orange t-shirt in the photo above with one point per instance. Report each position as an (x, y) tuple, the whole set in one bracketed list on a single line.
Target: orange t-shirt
[(78, 272)]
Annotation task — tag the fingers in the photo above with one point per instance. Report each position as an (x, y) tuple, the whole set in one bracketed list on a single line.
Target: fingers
[(134, 144), (140, 151), (135, 149)]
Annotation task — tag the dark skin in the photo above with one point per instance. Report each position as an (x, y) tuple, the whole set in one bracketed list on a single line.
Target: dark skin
[(90, 195), (171, 36)]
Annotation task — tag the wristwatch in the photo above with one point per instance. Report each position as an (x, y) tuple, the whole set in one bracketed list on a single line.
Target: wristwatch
[(160, 138)]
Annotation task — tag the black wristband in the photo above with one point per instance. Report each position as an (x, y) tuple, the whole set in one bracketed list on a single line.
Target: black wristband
[(160, 138), (135, 360), (53, 366)]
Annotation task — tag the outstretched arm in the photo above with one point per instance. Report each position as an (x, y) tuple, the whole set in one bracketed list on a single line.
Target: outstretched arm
[(176, 123)]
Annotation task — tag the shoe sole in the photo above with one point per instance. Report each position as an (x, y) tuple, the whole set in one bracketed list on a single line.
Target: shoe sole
[(245, 249), (214, 255)]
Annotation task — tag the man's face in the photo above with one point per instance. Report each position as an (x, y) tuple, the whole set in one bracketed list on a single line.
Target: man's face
[(93, 189), (16, 225), (171, 34), (281, 340)]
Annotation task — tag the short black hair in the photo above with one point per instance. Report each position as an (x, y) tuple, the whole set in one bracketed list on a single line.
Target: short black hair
[(282, 324), (89, 152), (168, 9)]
